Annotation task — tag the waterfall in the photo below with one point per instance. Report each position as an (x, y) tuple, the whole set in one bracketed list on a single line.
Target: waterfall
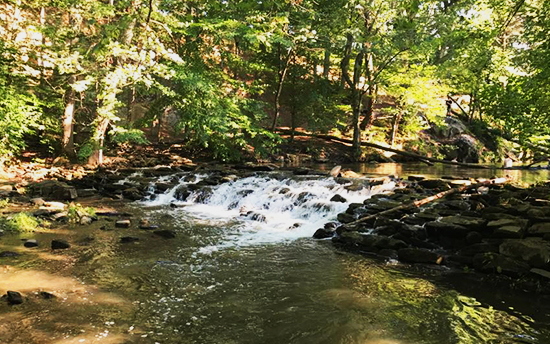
[(265, 209)]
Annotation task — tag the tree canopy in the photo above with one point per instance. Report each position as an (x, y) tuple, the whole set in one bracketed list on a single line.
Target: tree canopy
[(78, 76)]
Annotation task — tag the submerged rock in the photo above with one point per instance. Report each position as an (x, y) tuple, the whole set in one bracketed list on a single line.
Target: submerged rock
[(31, 243), (60, 244), (9, 254), (497, 263), (14, 297), (165, 233), (417, 255), (128, 239)]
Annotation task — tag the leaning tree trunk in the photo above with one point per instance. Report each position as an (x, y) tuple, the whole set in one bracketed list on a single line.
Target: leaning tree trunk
[(356, 108), (283, 68)]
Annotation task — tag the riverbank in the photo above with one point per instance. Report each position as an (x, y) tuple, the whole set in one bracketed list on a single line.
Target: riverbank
[(146, 236)]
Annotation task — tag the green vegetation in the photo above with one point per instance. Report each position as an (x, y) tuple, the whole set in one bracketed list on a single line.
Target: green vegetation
[(82, 76), (21, 222), (75, 212)]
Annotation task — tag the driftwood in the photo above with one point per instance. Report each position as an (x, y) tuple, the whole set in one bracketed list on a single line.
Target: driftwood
[(426, 200)]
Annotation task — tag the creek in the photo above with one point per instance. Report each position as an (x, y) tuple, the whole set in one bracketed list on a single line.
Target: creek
[(244, 269)]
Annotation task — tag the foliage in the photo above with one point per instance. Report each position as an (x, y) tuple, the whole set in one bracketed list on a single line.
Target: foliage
[(122, 136), (75, 212), (20, 222)]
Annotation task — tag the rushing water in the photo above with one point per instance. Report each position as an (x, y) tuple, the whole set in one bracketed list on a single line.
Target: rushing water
[(244, 269)]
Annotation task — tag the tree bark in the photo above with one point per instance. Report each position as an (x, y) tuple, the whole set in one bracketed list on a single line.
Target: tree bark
[(67, 142), (283, 68), (326, 62), (395, 127)]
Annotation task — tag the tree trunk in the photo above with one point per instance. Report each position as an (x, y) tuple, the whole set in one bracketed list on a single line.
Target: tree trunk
[(283, 68), (97, 156), (356, 107), (326, 62), (67, 142), (369, 116), (395, 127)]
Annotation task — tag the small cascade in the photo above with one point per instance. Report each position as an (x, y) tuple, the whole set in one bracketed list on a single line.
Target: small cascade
[(263, 209)]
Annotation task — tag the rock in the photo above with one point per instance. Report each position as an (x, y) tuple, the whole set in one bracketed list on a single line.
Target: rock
[(438, 228), (434, 184), (335, 171), (132, 193), (38, 201), (55, 190), (46, 296), (31, 243), (181, 193), (128, 239), (60, 244), (5, 190), (539, 229), (459, 183), (497, 263), (345, 218), (82, 193), (535, 252), (417, 255), (416, 178), (9, 254), (338, 198), (123, 224), (465, 221), (62, 216), (392, 254), (165, 233), (254, 216), (542, 273), (323, 233), (14, 297), (474, 249), (86, 220), (474, 238)]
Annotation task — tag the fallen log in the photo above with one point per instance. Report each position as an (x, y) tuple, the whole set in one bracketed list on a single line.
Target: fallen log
[(426, 200), (415, 156)]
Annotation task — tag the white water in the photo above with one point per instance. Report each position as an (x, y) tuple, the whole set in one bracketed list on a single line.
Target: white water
[(288, 209)]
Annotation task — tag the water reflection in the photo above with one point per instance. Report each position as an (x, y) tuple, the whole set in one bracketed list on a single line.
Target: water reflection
[(439, 170)]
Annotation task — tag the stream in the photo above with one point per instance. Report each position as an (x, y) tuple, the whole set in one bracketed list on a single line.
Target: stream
[(244, 269)]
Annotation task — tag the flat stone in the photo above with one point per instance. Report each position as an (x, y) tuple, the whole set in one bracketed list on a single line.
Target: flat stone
[(86, 220), (438, 228), (541, 229), (460, 183), (535, 252), (509, 232), (37, 201), (417, 255), (165, 233), (123, 224), (14, 297), (86, 192), (466, 221), (60, 244), (31, 243), (416, 177)]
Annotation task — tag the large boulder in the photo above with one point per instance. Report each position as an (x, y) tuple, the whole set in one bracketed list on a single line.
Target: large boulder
[(536, 252), (54, 190)]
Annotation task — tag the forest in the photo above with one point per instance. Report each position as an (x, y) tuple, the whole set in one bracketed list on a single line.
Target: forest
[(226, 76)]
